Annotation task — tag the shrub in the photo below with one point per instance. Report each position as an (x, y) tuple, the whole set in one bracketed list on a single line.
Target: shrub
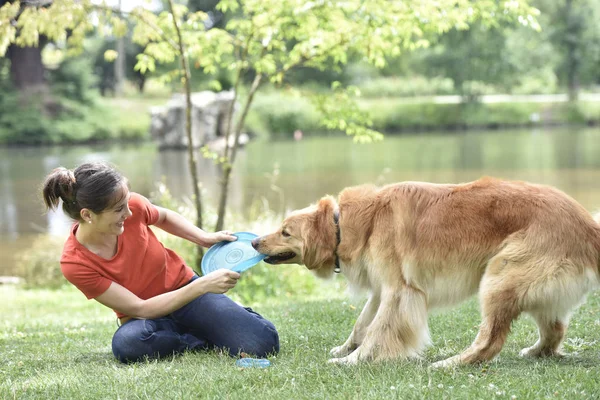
[(279, 115), (40, 264), (543, 81), (406, 87)]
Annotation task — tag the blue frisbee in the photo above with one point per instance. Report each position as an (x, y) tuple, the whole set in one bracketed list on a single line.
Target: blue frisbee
[(237, 256), (253, 363)]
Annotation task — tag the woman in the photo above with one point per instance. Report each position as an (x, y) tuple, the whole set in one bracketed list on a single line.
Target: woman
[(112, 256)]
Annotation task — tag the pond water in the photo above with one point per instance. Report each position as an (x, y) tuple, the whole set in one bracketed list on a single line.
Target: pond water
[(289, 174)]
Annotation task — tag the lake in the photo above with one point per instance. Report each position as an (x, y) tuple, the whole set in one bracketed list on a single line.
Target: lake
[(292, 174)]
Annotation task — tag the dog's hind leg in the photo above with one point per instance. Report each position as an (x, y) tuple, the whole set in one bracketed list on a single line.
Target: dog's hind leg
[(552, 332), (499, 307), (398, 330), (360, 327)]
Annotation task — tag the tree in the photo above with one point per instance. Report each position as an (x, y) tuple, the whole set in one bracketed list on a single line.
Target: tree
[(26, 68), (468, 56), (274, 37), (571, 27), (266, 39)]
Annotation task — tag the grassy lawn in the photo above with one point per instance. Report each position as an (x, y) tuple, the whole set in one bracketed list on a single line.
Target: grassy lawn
[(56, 344)]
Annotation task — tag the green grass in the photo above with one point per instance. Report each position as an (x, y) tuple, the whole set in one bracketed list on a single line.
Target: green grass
[(56, 344)]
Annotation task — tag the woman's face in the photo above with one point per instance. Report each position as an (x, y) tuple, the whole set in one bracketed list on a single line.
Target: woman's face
[(110, 221)]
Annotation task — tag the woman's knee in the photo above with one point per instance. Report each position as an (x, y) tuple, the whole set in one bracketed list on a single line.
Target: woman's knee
[(271, 345), (129, 343), (262, 345)]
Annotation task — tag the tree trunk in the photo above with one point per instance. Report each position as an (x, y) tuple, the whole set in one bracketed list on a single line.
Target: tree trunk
[(120, 63), (26, 69), (231, 159), (185, 69), (574, 29)]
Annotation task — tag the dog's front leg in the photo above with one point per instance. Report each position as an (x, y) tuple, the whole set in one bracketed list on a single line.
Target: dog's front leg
[(398, 330), (360, 327)]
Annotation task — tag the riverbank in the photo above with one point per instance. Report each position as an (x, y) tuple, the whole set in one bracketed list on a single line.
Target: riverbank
[(277, 115)]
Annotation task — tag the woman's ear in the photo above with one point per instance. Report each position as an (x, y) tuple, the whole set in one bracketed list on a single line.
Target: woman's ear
[(86, 215)]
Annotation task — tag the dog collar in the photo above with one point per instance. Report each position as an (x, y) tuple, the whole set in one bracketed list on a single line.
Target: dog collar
[(336, 219)]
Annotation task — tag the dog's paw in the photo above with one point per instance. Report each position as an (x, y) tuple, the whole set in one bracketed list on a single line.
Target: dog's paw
[(530, 352), (340, 351), (447, 363), (536, 352), (349, 360)]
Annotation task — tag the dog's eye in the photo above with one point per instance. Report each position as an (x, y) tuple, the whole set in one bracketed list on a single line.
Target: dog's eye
[(285, 234)]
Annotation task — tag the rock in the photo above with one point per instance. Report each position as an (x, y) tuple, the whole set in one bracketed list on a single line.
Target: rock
[(10, 280), (209, 116)]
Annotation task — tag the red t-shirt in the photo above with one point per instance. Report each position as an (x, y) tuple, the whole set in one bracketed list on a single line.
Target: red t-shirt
[(142, 264)]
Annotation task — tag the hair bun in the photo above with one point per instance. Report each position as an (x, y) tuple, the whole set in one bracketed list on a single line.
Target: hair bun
[(71, 176), (66, 183)]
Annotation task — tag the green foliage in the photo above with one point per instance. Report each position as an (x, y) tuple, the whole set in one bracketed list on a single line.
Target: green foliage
[(21, 123), (279, 115), (393, 115), (272, 38), (71, 113), (40, 264), (543, 81), (571, 27), (75, 122), (74, 80), (406, 86)]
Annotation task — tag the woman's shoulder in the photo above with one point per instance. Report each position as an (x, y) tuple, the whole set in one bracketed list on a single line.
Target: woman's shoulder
[(142, 208), (71, 245), (137, 199)]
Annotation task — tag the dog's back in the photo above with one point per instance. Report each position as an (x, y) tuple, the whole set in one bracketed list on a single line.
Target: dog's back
[(474, 219)]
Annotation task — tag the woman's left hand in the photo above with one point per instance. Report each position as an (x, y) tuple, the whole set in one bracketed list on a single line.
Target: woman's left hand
[(220, 236)]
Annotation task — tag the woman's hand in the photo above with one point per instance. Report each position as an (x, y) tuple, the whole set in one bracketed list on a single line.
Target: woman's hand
[(174, 223), (221, 236), (220, 281)]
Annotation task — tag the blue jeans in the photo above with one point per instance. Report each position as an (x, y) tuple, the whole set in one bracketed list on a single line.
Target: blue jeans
[(209, 321)]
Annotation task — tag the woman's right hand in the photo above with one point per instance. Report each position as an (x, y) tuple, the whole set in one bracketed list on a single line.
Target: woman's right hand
[(220, 281)]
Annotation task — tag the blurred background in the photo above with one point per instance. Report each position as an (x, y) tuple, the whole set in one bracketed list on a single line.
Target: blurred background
[(499, 99)]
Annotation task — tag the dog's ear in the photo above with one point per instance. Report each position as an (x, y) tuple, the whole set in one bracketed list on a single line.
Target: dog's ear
[(319, 236)]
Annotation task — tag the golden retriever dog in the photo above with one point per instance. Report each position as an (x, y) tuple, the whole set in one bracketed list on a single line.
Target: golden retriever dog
[(417, 246)]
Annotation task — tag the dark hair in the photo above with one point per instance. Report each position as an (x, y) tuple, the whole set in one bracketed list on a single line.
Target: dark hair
[(91, 185)]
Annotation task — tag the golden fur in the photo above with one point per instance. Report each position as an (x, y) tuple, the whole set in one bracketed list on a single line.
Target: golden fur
[(416, 246)]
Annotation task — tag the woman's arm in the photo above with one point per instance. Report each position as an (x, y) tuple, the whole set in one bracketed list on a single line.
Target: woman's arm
[(178, 225), (120, 299)]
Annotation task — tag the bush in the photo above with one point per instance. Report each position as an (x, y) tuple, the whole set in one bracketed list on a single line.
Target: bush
[(276, 115), (75, 80), (40, 264), (279, 115), (406, 87), (541, 82), (22, 123), (72, 113)]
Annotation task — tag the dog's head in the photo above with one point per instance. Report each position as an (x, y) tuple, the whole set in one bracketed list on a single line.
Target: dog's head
[(306, 237)]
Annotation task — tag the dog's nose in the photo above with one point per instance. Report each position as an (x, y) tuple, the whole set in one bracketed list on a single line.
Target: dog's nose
[(255, 242)]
